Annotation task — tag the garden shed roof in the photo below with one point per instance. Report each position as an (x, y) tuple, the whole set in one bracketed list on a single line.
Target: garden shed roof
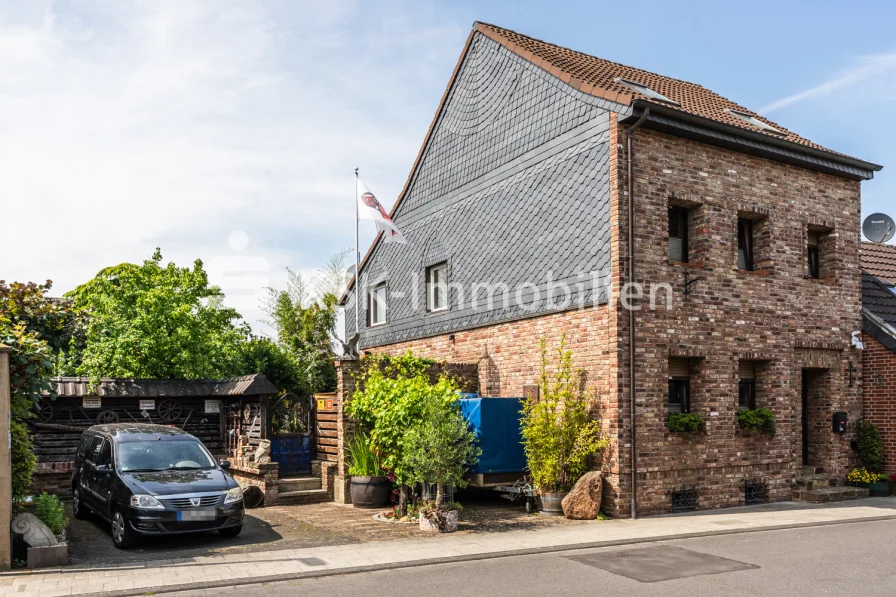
[(246, 385)]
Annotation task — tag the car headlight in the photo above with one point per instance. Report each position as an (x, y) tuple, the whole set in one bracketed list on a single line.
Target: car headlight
[(146, 502), (234, 495)]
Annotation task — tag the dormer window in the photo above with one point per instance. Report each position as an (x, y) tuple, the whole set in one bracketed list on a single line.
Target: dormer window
[(753, 121), (645, 90)]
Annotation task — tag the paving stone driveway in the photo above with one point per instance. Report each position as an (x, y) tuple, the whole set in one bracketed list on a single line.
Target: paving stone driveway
[(290, 527)]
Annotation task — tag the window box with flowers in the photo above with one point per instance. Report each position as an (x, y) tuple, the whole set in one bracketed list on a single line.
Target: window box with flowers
[(878, 485)]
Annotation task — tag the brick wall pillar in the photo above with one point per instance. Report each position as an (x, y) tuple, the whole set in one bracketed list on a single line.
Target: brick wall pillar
[(346, 373)]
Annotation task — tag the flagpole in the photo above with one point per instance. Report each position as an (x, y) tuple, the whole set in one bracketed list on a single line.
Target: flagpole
[(357, 263)]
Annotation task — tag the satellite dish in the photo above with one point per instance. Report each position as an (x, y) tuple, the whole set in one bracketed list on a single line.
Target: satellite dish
[(879, 228)]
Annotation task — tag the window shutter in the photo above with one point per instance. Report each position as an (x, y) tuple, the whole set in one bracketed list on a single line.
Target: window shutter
[(679, 368), (747, 370)]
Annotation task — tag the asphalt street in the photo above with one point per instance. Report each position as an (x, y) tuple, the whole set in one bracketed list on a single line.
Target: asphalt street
[(843, 559)]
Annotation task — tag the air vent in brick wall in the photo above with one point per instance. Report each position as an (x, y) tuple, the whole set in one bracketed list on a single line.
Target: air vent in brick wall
[(755, 491), (684, 500)]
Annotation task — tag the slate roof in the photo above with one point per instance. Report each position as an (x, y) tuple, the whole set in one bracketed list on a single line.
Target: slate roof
[(879, 260), (596, 76), (247, 385)]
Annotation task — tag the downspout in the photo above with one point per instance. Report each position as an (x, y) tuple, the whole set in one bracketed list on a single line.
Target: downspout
[(631, 312)]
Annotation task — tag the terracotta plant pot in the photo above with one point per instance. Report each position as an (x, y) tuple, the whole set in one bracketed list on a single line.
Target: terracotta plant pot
[(430, 524), (551, 503), (370, 492)]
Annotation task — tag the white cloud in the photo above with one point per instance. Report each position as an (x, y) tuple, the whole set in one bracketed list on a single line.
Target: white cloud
[(865, 69), (127, 126)]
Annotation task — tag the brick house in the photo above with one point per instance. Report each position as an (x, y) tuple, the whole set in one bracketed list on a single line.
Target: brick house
[(879, 325), (746, 234)]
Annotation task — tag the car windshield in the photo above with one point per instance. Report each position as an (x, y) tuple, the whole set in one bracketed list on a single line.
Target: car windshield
[(163, 456)]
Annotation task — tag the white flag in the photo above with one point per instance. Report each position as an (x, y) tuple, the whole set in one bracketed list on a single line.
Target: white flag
[(369, 208)]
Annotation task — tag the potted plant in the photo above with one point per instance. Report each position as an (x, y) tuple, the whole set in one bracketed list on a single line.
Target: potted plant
[(369, 487), (558, 433), (439, 449), (878, 485)]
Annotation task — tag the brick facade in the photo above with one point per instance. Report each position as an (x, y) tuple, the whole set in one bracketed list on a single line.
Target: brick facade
[(771, 316), (880, 394)]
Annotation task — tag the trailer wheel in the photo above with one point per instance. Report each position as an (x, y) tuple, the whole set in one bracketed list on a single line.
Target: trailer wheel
[(529, 506)]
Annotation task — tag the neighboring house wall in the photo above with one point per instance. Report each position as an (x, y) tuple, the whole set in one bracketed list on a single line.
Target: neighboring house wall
[(512, 187), (880, 394)]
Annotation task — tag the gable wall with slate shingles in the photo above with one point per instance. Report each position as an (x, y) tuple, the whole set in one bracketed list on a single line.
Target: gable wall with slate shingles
[(513, 188)]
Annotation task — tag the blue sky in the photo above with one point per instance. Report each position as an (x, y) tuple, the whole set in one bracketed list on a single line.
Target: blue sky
[(229, 130)]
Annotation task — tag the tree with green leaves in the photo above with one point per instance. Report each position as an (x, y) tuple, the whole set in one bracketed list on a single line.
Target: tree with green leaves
[(37, 328), (157, 320), (304, 317), (440, 447)]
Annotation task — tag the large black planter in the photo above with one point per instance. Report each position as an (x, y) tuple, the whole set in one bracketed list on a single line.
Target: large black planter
[(370, 492)]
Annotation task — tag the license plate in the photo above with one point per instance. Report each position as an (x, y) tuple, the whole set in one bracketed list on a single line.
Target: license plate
[(189, 515)]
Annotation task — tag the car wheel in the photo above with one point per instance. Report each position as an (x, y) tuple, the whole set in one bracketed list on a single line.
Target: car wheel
[(231, 531), (122, 535), (78, 508)]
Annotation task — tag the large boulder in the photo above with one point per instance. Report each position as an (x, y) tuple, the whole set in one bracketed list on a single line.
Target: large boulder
[(33, 531), (583, 502)]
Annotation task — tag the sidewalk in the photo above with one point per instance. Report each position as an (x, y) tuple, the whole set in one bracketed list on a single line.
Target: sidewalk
[(265, 566)]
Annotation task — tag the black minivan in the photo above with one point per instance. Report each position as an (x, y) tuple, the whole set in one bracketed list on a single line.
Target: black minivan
[(153, 480)]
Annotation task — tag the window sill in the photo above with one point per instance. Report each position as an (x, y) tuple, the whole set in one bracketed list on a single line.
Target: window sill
[(825, 281), (688, 264), (762, 273), (433, 312)]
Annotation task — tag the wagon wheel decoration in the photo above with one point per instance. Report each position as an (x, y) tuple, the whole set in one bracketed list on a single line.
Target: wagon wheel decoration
[(107, 416), (45, 410), (169, 409)]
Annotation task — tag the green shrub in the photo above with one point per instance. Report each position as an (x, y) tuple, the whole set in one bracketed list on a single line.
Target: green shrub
[(24, 462), (757, 419), (559, 435), (871, 446), (363, 459), (686, 423), (51, 512)]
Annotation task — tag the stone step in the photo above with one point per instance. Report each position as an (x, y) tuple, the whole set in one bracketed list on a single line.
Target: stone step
[(808, 471), (298, 484), (305, 496), (818, 481), (829, 494)]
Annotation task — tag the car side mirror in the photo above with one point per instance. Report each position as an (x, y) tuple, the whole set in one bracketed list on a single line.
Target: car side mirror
[(225, 464), (103, 469)]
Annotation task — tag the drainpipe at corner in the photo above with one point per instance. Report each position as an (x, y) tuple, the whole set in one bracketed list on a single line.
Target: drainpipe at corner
[(631, 312)]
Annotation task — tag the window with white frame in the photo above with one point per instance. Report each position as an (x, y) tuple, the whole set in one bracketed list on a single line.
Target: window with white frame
[(376, 305), (437, 287)]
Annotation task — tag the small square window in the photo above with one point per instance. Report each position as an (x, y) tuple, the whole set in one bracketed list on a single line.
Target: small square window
[(745, 244), (892, 288), (678, 234), (437, 287), (376, 305), (679, 386)]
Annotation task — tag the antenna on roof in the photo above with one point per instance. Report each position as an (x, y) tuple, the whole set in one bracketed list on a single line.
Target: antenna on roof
[(879, 228)]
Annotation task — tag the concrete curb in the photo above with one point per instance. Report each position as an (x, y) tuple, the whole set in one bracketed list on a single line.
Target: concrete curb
[(256, 580)]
